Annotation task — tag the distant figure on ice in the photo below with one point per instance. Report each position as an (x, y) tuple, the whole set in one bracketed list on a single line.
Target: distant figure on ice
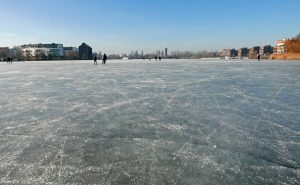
[(155, 58), (159, 58), (9, 60), (104, 59), (258, 57), (95, 60)]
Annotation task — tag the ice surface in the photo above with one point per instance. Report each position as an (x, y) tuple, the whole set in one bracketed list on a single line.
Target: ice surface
[(141, 122)]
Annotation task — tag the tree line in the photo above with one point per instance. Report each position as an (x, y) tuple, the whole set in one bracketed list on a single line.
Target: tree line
[(293, 45)]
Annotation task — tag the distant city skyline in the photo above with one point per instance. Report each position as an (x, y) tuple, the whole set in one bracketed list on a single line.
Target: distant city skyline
[(119, 26)]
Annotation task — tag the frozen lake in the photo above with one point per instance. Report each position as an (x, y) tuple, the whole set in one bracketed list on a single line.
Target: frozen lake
[(140, 122)]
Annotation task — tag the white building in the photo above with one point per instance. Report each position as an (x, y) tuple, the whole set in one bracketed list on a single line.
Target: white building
[(42, 51), (280, 47)]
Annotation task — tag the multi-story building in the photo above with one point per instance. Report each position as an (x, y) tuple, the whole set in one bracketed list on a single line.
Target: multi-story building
[(42, 51), (71, 53), (253, 52), (230, 53), (243, 52), (4, 53), (266, 50), (85, 52), (16, 53), (280, 47), (13, 52), (256, 49)]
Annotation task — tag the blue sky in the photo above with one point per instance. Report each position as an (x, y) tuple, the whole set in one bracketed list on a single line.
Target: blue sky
[(123, 25)]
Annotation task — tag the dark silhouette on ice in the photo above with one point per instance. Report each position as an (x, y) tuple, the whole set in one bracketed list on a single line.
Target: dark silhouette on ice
[(9, 60), (95, 60), (104, 59)]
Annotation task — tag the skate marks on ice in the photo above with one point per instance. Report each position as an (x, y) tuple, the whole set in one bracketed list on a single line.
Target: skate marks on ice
[(150, 123)]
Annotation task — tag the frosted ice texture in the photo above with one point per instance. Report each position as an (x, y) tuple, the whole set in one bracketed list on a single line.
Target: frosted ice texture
[(141, 122)]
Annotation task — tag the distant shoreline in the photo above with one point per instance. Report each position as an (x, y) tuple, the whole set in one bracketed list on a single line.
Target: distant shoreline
[(279, 58)]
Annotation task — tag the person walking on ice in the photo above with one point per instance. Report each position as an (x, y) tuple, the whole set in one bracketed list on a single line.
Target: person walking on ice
[(104, 59), (95, 60)]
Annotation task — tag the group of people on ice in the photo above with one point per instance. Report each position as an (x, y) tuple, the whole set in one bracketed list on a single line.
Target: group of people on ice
[(104, 58), (9, 60)]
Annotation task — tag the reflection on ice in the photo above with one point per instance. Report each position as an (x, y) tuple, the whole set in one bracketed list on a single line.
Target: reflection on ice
[(137, 122)]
